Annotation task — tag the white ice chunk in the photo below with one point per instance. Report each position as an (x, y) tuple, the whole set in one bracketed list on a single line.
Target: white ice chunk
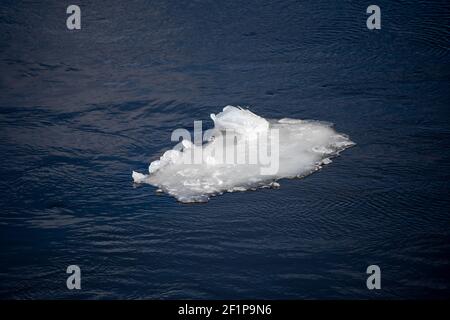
[(240, 120), (304, 146), (139, 177)]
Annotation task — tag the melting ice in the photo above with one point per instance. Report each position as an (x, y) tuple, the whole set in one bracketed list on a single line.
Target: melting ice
[(231, 158)]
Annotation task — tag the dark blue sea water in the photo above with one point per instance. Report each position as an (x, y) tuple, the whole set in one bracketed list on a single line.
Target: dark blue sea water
[(79, 110)]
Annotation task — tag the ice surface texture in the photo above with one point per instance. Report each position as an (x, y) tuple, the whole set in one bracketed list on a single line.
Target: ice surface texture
[(301, 148)]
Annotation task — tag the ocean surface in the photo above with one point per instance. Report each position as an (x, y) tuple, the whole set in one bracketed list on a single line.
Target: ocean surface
[(81, 109)]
